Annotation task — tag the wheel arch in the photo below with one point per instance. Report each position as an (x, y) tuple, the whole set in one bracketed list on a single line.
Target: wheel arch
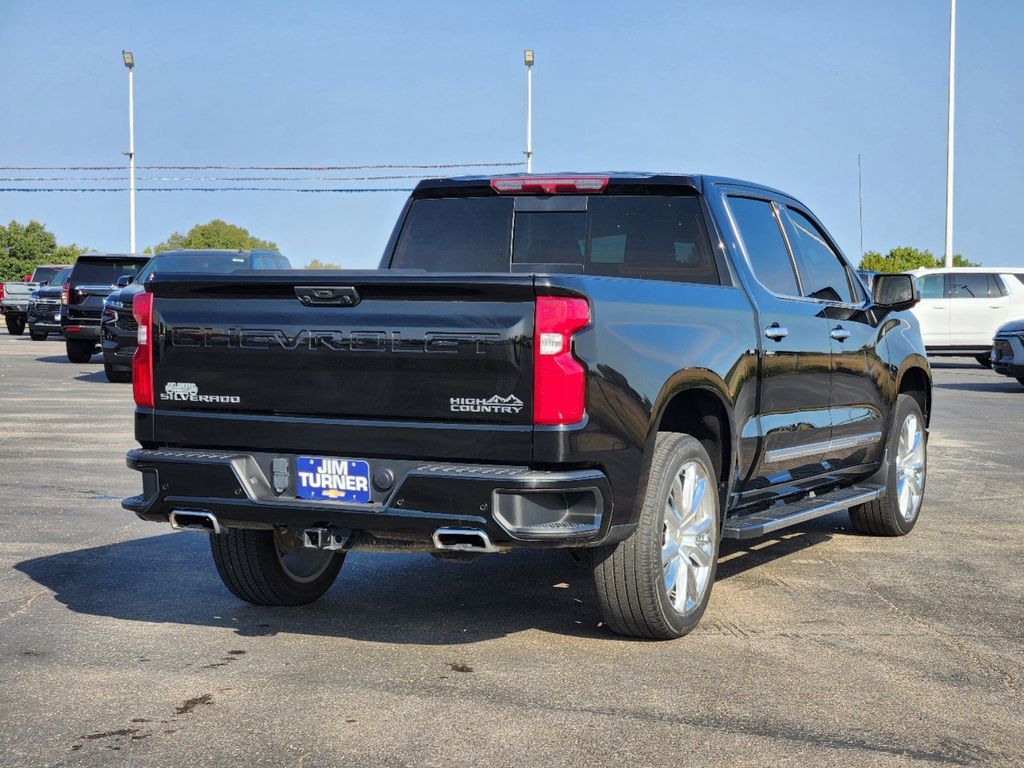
[(915, 380), (697, 405)]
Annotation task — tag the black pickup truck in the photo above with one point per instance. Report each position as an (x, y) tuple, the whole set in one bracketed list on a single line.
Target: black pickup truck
[(634, 366)]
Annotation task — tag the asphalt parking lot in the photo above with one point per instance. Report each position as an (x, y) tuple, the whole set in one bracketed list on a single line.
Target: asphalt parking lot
[(118, 643)]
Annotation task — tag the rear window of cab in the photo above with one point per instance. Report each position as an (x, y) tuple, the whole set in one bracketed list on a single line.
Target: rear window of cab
[(644, 236)]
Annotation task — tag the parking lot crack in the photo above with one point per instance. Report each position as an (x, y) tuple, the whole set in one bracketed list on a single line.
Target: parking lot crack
[(25, 605), (1008, 680)]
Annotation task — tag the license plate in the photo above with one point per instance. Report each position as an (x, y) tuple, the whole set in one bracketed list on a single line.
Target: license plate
[(327, 479)]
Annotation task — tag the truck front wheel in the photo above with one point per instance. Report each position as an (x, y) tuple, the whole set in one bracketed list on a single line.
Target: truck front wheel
[(657, 583), (15, 325), (895, 512), (272, 567)]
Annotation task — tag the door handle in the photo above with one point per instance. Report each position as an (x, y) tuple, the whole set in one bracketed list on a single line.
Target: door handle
[(776, 332), (839, 333)]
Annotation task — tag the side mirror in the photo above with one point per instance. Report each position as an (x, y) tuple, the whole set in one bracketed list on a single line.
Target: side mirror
[(124, 280), (895, 292)]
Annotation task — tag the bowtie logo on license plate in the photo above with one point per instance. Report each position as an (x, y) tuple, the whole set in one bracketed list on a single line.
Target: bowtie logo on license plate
[(327, 479)]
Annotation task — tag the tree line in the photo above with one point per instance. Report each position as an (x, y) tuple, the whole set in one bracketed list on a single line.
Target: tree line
[(25, 246), (905, 258)]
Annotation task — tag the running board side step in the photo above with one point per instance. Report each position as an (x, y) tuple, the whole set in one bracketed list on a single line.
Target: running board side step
[(784, 515)]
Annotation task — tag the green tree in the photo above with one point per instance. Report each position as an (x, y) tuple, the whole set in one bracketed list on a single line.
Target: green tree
[(905, 258), (317, 264), (23, 246), (215, 234)]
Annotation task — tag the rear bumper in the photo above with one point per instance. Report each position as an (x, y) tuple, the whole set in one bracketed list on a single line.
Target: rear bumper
[(411, 500), (14, 309), (1008, 356), (79, 331)]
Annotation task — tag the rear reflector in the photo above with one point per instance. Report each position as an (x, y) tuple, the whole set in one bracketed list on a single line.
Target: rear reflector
[(559, 379), (548, 185), (142, 360)]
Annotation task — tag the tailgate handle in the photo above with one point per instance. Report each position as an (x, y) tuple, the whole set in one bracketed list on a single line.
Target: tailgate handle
[(334, 296)]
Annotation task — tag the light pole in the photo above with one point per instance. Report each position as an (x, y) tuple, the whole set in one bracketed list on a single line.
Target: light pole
[(129, 62), (949, 135), (528, 61)]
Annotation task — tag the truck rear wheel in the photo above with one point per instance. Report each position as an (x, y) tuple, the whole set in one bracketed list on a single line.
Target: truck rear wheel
[(895, 512), (272, 567), (15, 325), (79, 351), (657, 583)]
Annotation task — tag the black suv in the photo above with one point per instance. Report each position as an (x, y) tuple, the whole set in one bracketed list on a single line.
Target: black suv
[(44, 306), (93, 277), (118, 329)]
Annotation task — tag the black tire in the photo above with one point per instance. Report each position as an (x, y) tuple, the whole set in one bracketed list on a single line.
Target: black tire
[(15, 325), (985, 361), (79, 351), (630, 576), (37, 335), (250, 566), (115, 376), (882, 517)]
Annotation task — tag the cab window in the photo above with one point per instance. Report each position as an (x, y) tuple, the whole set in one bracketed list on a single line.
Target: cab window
[(823, 274), (932, 286), (764, 244)]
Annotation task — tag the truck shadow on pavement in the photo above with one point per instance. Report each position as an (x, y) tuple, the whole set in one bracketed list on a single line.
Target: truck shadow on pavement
[(386, 598)]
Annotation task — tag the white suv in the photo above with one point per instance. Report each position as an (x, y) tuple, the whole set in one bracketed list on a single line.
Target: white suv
[(961, 308)]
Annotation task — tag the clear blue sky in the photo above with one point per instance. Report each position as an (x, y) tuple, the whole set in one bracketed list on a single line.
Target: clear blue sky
[(782, 93)]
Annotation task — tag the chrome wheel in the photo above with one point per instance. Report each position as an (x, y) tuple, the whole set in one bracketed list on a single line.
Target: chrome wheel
[(910, 467), (688, 538), (301, 564)]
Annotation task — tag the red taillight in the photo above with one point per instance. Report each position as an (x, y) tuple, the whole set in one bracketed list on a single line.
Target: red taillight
[(549, 185), (65, 293), (142, 360), (559, 379), (1, 291)]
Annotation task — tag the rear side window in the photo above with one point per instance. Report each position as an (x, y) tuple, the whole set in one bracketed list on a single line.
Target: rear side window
[(104, 272), (61, 277), (456, 234), (932, 286), (43, 274), (974, 285), (762, 238), (822, 273)]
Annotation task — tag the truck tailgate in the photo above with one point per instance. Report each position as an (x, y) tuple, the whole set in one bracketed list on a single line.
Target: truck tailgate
[(285, 357)]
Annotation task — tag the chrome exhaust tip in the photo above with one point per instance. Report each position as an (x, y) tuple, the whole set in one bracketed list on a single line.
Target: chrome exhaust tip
[(463, 540), (189, 520)]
